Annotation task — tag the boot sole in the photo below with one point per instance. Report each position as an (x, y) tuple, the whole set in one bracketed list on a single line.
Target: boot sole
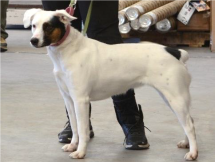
[(68, 140), (3, 49), (137, 147)]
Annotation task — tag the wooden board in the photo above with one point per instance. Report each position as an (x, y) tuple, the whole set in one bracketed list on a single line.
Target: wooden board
[(192, 39)]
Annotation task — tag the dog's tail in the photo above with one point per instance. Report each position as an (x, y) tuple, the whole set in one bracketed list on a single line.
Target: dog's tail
[(184, 55)]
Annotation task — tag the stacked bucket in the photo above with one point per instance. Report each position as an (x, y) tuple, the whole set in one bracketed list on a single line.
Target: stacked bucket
[(141, 15)]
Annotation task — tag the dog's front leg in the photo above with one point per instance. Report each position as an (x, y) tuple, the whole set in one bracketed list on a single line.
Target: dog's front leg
[(72, 117), (82, 115), (70, 109)]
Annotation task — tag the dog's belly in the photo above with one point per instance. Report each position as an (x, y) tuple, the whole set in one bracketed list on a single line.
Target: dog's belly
[(111, 86), (104, 91)]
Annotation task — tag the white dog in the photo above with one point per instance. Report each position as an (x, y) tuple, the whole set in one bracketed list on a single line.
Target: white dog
[(87, 70)]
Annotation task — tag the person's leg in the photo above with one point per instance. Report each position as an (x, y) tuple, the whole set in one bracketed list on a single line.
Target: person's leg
[(103, 27), (4, 34), (130, 117), (65, 135)]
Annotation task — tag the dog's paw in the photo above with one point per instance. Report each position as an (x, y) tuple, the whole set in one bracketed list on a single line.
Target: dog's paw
[(183, 144), (69, 148), (191, 156), (77, 155)]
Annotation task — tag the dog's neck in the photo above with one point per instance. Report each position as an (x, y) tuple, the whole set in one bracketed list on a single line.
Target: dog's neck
[(71, 36), (64, 37)]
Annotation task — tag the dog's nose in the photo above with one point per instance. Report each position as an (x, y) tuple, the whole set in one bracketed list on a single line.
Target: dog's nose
[(34, 41)]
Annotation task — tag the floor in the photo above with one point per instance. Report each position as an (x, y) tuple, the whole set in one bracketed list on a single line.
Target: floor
[(25, 2), (32, 112)]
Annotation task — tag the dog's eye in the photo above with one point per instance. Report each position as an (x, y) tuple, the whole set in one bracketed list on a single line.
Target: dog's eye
[(34, 26), (49, 27)]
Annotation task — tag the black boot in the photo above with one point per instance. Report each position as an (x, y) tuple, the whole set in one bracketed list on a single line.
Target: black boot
[(131, 121), (65, 135)]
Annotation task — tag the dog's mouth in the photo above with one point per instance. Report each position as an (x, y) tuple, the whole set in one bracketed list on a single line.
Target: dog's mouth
[(37, 46), (35, 43), (44, 44)]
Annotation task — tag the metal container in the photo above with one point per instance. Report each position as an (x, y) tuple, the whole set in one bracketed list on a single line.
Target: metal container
[(146, 20), (125, 28), (132, 13), (121, 17), (135, 25), (166, 25), (160, 13)]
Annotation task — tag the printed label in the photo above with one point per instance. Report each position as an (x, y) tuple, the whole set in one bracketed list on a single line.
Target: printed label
[(186, 13)]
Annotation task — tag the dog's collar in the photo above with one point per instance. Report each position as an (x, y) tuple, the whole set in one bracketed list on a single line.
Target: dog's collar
[(64, 37)]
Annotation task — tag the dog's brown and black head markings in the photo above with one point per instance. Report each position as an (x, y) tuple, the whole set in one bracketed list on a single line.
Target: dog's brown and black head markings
[(174, 52), (54, 30)]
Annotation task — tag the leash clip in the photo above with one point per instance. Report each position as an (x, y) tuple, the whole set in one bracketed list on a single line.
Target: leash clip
[(71, 8), (73, 4)]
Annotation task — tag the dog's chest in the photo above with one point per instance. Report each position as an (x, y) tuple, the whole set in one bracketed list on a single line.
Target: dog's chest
[(59, 67), (56, 59)]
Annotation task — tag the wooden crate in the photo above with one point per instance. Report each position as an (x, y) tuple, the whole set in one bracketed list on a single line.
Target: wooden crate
[(173, 38), (200, 21)]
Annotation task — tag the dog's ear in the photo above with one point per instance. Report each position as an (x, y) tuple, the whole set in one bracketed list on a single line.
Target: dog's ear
[(28, 16), (64, 17)]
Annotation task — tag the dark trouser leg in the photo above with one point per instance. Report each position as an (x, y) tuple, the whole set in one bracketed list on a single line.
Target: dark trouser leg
[(4, 34), (4, 5), (126, 107), (131, 120), (65, 136), (103, 27)]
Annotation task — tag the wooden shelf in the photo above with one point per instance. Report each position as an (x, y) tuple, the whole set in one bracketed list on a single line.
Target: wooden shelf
[(173, 38)]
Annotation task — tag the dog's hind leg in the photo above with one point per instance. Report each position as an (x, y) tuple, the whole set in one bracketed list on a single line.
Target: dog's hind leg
[(179, 102), (184, 143)]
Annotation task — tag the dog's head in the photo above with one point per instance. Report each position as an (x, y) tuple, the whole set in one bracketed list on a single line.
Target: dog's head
[(47, 26)]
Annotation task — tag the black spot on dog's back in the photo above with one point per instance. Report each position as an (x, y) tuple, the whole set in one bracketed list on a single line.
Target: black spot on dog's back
[(174, 52)]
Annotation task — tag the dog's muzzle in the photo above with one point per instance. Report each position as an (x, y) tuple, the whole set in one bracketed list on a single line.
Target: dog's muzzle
[(34, 42)]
